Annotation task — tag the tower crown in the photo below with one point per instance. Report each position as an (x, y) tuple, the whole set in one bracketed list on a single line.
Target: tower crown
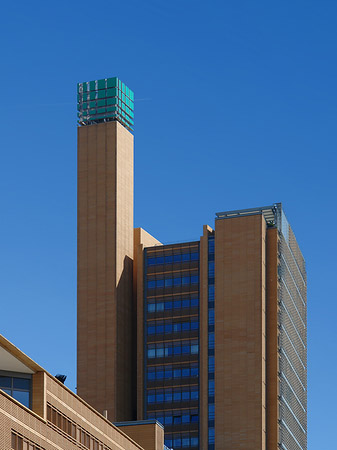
[(105, 100)]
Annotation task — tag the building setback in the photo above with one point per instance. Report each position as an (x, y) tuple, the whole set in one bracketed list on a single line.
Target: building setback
[(207, 337)]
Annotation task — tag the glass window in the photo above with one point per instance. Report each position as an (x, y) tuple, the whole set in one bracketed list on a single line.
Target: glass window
[(160, 396), (185, 326), (168, 259), (211, 364), (194, 393), (21, 396), (160, 306), (168, 372), (168, 282), (211, 388), (160, 373), (177, 373), (168, 305), (160, 351), (194, 325), (185, 303), (194, 349), (160, 283), (185, 348), (210, 340), (151, 329), (151, 307), (168, 349), (168, 395), (194, 279), (185, 441), (177, 348), (194, 256), (194, 441), (185, 372), (160, 328), (211, 435), (168, 418), (168, 327), (160, 419), (160, 259), (177, 442), (168, 441), (211, 411), (151, 396), (177, 304), (194, 371), (176, 258), (177, 281), (5, 382), (185, 257), (211, 316), (185, 281), (211, 292), (151, 284), (177, 395), (176, 327), (176, 419), (194, 418), (185, 395), (151, 373), (185, 418), (211, 268), (194, 302), (151, 352)]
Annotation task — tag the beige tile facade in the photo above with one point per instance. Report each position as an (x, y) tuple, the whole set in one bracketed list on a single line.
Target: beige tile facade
[(105, 254)]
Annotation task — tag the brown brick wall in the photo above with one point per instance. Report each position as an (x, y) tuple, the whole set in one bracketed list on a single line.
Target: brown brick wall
[(142, 239), (239, 333)]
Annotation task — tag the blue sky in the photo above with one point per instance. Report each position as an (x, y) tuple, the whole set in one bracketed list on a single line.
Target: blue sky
[(235, 107)]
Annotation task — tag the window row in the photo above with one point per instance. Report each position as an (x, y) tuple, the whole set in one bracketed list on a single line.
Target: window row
[(177, 303), (69, 427), (175, 348), (20, 442), (169, 395), (169, 417), (168, 327), (171, 372), (173, 282), (172, 259), (181, 440)]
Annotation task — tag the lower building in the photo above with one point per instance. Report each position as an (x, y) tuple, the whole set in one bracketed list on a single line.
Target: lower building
[(37, 412)]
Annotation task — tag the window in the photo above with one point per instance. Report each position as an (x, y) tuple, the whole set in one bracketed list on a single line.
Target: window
[(211, 411), (211, 316), (18, 387), (210, 340)]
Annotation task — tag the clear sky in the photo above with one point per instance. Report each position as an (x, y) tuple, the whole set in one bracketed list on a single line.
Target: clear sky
[(235, 107)]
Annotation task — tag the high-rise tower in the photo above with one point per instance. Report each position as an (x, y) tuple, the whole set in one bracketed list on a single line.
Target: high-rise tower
[(208, 337), (105, 247)]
